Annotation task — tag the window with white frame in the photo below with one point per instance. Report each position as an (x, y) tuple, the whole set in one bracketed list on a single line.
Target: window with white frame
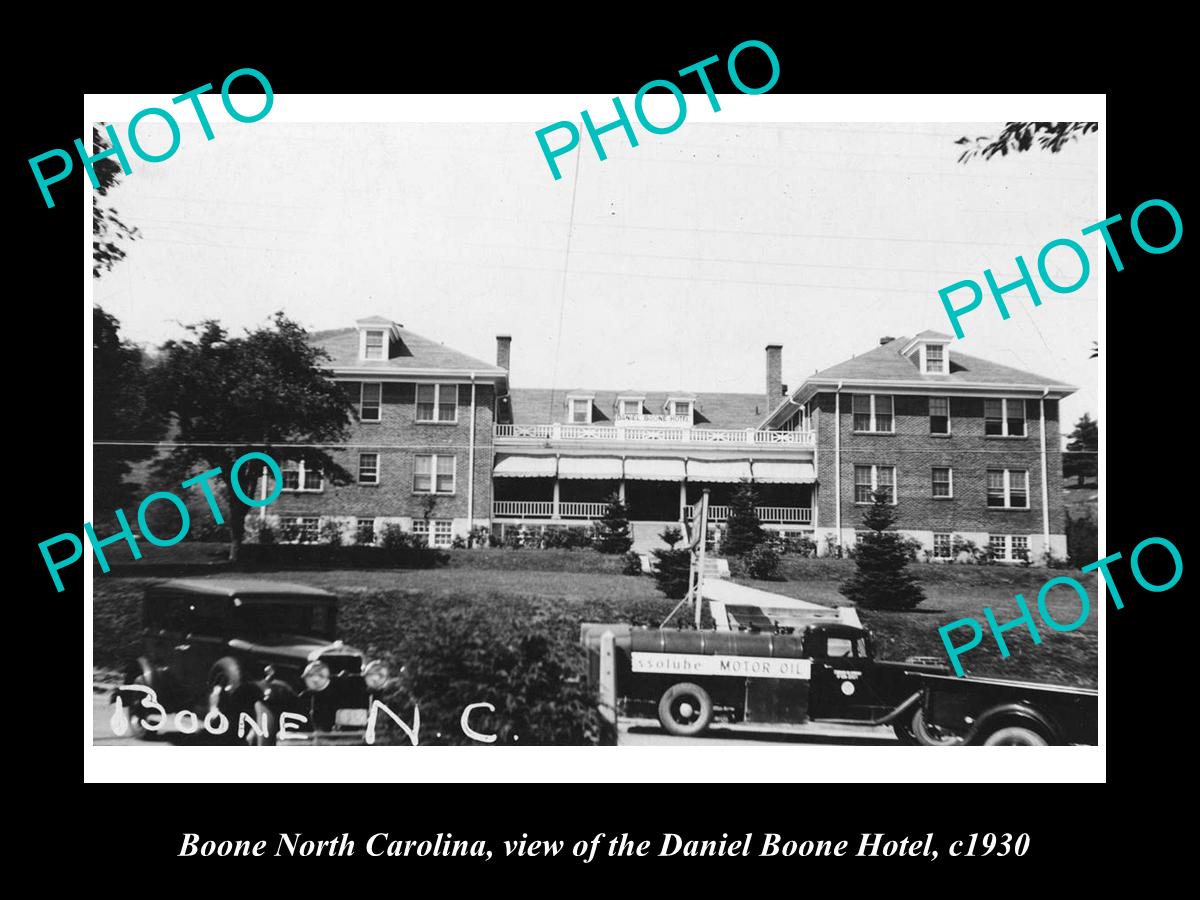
[(1004, 418), (420, 530), (873, 412), (299, 529), (939, 415), (1008, 488), (943, 481), (629, 407), (1009, 547), (580, 410), (433, 473), (935, 359), (368, 468), (682, 408), (868, 479), (442, 533), (365, 531), (370, 401), (299, 477), (373, 345), (437, 402), (943, 544)]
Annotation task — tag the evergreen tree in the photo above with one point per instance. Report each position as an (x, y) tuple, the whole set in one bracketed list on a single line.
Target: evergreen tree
[(673, 566), (1080, 460), (743, 531), (882, 580), (612, 531)]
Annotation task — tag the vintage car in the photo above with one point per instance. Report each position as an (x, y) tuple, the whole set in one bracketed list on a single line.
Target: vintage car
[(248, 646), (825, 671)]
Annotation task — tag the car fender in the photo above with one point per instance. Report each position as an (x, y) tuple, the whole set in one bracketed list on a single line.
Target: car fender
[(143, 671), (278, 695), (1013, 714)]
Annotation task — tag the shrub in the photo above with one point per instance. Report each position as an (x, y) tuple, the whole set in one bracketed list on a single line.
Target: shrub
[(331, 533), (612, 531), (1081, 541), (395, 538), (672, 567), (833, 547), (366, 539), (743, 531), (481, 536), (762, 562), (912, 547), (514, 539), (881, 579), (632, 564), (799, 544), (458, 542), (265, 534), (566, 538)]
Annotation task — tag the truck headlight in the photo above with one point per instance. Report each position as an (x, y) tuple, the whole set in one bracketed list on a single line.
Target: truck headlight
[(375, 674), (316, 676)]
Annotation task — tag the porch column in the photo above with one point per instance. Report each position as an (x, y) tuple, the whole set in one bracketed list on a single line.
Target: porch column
[(554, 505), (621, 490), (682, 500)]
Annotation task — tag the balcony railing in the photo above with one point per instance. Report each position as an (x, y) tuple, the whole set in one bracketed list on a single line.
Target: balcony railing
[(775, 515), (682, 435), (544, 509)]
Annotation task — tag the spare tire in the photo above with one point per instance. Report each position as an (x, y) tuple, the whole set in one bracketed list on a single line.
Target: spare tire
[(685, 709)]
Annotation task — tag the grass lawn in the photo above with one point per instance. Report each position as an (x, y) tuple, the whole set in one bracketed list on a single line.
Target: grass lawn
[(554, 590)]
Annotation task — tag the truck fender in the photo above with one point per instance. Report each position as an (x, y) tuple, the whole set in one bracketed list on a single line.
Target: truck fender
[(1013, 714)]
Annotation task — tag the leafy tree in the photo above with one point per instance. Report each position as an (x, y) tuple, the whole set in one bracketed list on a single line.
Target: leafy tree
[(1081, 540), (1017, 137), (1080, 460), (882, 579), (121, 411), (107, 227), (612, 531), (672, 572), (265, 392), (743, 531)]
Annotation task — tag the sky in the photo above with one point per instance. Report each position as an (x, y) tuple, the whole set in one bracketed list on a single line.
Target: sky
[(667, 266)]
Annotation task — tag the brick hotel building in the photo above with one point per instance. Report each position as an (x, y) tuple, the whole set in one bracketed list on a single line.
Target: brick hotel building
[(445, 442)]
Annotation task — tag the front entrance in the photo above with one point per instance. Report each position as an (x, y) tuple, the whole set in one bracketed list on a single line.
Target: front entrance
[(652, 501)]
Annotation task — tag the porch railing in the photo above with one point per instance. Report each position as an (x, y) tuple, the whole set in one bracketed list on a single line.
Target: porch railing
[(636, 433), (775, 515), (544, 509)]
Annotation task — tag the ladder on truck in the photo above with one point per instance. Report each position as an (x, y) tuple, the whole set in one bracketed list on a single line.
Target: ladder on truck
[(695, 537)]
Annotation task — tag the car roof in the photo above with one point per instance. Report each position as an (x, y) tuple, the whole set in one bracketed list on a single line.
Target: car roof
[(240, 587)]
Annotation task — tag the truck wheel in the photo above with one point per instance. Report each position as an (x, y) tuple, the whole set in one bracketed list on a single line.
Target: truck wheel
[(930, 735), (1014, 736), (903, 728), (685, 709)]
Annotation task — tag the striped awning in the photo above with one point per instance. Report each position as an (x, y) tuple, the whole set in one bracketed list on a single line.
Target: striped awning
[(784, 472), (723, 470), (654, 469), (513, 466), (589, 467)]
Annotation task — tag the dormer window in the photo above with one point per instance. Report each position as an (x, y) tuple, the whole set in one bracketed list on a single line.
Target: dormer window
[(373, 347), (627, 407), (935, 359), (681, 408), (579, 409)]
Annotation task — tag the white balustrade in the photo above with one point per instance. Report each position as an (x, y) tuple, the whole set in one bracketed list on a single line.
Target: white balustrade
[(775, 515), (622, 433)]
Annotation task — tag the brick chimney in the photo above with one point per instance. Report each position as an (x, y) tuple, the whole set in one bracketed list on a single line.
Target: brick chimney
[(774, 375), (503, 350)]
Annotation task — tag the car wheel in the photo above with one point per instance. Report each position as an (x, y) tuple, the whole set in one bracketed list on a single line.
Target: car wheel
[(1015, 736), (903, 728), (930, 735), (685, 709)]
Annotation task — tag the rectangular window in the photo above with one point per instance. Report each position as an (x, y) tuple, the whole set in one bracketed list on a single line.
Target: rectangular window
[(437, 402), (421, 530), (1004, 418), (370, 401), (442, 536), (433, 474), (1008, 488), (298, 477), (873, 412), (374, 345), (939, 415), (299, 530), (935, 359), (1020, 546), (365, 531), (681, 408), (581, 412), (631, 407), (368, 468), (942, 546), (868, 479), (998, 544), (943, 485)]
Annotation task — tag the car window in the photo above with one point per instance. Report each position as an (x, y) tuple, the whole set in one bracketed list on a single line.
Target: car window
[(836, 646), (285, 618)]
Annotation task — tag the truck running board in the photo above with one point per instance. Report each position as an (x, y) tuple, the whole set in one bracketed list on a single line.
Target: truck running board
[(885, 720)]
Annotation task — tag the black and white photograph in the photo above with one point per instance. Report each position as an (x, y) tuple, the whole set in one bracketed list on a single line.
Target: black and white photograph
[(754, 434)]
